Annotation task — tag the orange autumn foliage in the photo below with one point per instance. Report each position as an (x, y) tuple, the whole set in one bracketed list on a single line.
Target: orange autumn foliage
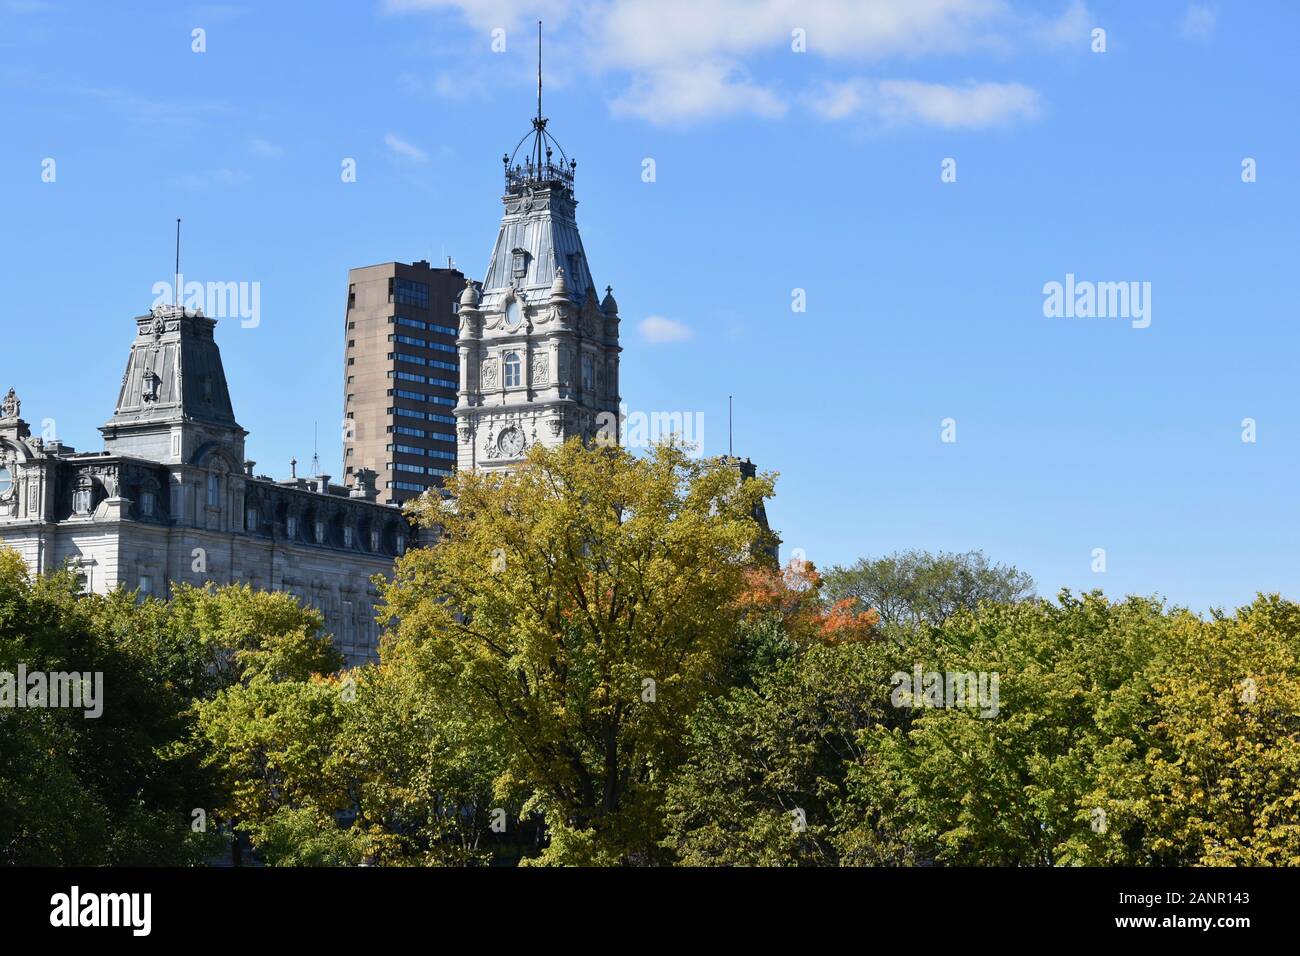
[(793, 594)]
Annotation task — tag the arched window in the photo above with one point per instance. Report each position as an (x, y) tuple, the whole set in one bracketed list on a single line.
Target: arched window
[(512, 369), (214, 491)]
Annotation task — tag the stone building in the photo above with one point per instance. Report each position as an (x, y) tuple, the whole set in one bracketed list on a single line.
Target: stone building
[(538, 351), (172, 499)]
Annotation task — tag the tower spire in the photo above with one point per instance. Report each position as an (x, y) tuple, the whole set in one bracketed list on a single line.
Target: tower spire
[(540, 168)]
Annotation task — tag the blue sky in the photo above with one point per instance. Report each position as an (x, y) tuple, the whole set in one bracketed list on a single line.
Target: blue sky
[(775, 170)]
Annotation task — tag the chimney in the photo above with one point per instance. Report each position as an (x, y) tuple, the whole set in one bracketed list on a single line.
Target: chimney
[(363, 485)]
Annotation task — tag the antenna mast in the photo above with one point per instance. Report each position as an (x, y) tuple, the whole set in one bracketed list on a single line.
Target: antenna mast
[(729, 454), (176, 276)]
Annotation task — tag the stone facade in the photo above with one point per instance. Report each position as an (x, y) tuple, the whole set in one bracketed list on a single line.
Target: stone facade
[(171, 498), (538, 354)]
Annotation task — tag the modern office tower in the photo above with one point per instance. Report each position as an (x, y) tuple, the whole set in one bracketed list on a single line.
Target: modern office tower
[(401, 375)]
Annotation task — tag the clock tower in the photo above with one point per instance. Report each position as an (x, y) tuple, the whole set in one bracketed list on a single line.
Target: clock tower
[(538, 350)]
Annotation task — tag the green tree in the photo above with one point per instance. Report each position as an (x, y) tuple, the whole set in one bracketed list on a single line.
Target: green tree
[(767, 765), (118, 789), (909, 588), (268, 728), (578, 610), (1125, 735)]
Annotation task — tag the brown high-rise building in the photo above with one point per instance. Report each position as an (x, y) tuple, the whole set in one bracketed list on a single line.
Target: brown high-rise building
[(401, 375)]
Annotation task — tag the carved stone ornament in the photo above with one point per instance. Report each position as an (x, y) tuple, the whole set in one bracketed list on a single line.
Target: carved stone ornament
[(11, 406), (488, 373), (540, 368)]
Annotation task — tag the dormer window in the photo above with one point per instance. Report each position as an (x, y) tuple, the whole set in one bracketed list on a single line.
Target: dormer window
[(320, 531), (401, 543), (347, 536), (148, 504), (519, 263), (374, 539), (250, 519), (214, 491), (291, 526), (82, 497)]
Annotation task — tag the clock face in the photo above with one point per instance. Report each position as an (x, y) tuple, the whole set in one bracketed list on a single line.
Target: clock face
[(511, 441), (514, 315)]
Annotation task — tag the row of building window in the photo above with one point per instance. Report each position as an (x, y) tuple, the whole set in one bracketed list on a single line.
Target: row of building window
[(421, 397), (423, 343), (423, 326), (423, 416), (421, 360), (424, 452), (420, 433), (418, 469)]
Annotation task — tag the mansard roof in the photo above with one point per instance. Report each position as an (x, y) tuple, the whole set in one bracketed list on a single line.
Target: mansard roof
[(174, 374)]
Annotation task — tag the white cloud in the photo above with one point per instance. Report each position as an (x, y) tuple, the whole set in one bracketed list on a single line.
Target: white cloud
[(643, 33), (265, 148), (404, 150), (659, 330), (695, 92), (488, 15), (1199, 21), (972, 106), (1071, 28), (681, 61)]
